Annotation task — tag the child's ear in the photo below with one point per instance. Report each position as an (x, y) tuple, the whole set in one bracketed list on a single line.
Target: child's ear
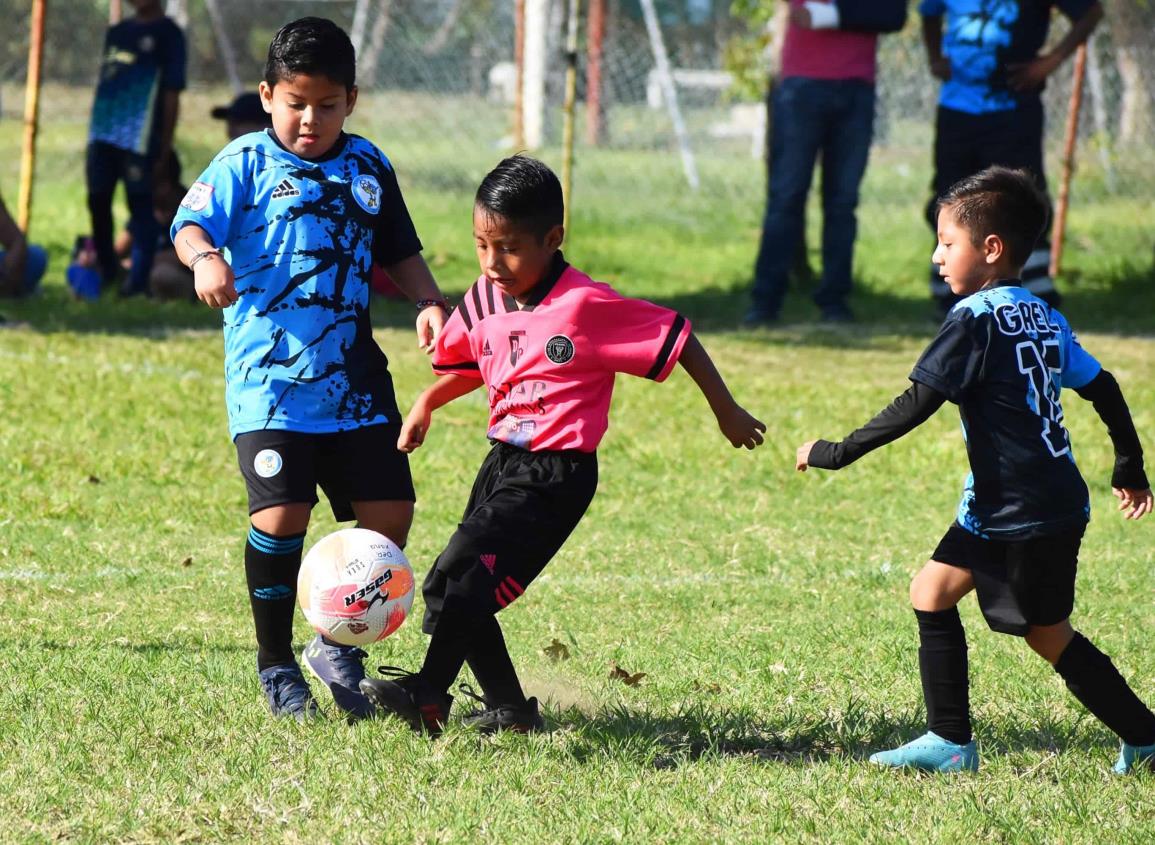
[(993, 248), (266, 92), (350, 100), (555, 236)]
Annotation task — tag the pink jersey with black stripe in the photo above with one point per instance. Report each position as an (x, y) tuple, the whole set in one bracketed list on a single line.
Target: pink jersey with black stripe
[(550, 364)]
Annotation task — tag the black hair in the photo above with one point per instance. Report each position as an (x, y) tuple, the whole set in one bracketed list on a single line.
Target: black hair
[(1000, 201), (312, 46), (525, 192)]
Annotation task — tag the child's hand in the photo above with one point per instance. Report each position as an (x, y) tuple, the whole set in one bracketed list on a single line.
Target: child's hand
[(430, 322), (802, 456), (1138, 501), (940, 68), (1030, 76), (214, 282), (740, 428), (414, 429)]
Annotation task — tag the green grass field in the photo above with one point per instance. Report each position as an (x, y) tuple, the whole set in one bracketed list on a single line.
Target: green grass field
[(767, 609)]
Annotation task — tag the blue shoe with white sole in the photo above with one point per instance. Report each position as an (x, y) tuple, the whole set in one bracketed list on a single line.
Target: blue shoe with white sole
[(1132, 755), (930, 753), (339, 667)]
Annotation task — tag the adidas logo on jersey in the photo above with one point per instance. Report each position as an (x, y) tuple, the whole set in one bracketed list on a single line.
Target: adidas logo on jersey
[(285, 190), (486, 350)]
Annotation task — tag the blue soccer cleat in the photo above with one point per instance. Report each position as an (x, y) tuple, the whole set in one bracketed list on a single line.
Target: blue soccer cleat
[(1129, 755), (930, 753), (288, 692), (339, 668)]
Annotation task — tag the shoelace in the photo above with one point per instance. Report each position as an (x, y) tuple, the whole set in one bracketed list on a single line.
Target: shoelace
[(289, 689), (466, 689), (347, 661), (395, 672)]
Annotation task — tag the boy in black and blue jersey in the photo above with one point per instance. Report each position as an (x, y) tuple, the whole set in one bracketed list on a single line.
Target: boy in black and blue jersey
[(1002, 356), (281, 232)]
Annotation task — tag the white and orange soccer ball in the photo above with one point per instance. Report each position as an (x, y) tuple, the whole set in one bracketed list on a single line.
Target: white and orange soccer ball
[(355, 586)]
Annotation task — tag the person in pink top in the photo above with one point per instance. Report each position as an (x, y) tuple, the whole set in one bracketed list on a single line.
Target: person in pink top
[(822, 108), (546, 342)]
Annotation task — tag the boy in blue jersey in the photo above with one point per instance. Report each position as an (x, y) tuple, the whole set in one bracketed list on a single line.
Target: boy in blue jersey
[(990, 108), (1002, 356), (281, 232), (133, 120)]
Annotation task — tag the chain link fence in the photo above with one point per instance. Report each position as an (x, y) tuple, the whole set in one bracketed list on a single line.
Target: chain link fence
[(437, 92)]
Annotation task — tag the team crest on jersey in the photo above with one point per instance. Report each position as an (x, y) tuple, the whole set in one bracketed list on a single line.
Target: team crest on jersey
[(285, 190), (559, 349), (267, 463), (198, 196), (147, 44), (367, 192)]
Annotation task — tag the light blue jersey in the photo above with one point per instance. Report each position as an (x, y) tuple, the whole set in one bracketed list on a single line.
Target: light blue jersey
[(1003, 356), (301, 236), (984, 38)]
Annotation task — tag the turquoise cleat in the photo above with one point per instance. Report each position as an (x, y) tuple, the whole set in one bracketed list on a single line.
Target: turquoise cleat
[(1129, 755), (930, 753)]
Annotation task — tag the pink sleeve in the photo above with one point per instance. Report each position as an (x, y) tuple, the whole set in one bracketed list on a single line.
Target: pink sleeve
[(634, 336), (454, 353)]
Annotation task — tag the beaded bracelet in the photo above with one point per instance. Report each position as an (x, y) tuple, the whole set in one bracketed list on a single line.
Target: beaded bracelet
[(422, 304)]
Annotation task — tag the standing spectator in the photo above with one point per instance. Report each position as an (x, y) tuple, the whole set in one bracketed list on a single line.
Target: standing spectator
[(823, 108), (990, 107), (133, 118), (21, 265)]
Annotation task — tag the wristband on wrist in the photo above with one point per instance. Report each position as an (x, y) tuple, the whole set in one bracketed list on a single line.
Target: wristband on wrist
[(200, 254), (422, 304)]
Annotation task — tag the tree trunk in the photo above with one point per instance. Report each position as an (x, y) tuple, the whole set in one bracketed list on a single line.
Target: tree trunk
[(376, 42)]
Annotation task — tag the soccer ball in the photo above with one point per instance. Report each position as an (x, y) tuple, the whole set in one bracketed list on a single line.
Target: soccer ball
[(355, 586)]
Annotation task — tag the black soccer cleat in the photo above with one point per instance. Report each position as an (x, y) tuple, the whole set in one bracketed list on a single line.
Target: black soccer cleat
[(406, 696), (491, 718)]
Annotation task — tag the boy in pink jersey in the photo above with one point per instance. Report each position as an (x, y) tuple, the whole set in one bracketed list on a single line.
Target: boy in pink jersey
[(546, 341)]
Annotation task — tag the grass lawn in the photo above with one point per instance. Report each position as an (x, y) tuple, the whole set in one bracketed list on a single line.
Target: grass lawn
[(768, 610)]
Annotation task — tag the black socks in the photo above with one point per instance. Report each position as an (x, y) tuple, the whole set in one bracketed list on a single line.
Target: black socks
[(1093, 679), (478, 639), (942, 663), (271, 567)]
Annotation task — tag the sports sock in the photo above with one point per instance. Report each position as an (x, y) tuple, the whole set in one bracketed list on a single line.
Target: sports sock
[(271, 567), (448, 646), (1093, 679), (942, 663), (490, 663)]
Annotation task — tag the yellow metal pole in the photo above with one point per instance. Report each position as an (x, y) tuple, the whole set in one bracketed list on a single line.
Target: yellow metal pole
[(31, 114), (571, 46)]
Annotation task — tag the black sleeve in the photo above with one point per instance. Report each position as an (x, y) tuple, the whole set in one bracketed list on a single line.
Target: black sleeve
[(1105, 395), (394, 238), (906, 412), (953, 363), (872, 15)]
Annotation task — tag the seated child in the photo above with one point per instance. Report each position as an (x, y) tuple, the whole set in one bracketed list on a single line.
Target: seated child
[(545, 341), (1002, 356), (22, 264)]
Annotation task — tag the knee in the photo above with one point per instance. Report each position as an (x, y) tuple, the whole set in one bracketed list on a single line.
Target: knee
[(928, 594), (1050, 641)]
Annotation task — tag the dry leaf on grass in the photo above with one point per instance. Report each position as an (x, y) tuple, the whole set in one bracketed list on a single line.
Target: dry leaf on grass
[(556, 651), (617, 673)]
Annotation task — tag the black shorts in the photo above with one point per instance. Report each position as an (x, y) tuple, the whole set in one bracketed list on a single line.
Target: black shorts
[(360, 465), (522, 508), (1019, 583)]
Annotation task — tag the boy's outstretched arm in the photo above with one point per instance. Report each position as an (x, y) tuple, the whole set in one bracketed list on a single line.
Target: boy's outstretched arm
[(906, 412), (441, 392), (740, 428), (1128, 479)]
